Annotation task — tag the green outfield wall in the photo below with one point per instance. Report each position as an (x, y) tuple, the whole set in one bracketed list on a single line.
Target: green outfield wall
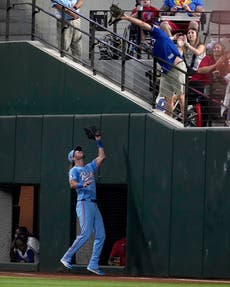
[(178, 179), (178, 187)]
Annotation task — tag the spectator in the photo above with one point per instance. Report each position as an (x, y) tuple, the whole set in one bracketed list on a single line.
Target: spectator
[(72, 34), (32, 242), (23, 253), (225, 109), (193, 54), (211, 67), (194, 50), (117, 256), (192, 7), (180, 42), (179, 38), (149, 14), (170, 7), (172, 79)]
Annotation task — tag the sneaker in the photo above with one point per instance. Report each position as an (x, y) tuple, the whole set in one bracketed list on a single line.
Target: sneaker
[(96, 271), (66, 264)]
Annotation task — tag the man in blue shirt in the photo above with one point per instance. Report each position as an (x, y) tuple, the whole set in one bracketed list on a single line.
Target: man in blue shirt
[(82, 179), (170, 7), (189, 6), (72, 34), (172, 79)]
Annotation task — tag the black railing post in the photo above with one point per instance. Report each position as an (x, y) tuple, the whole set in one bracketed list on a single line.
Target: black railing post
[(92, 47), (186, 95), (62, 53), (8, 8), (91, 16), (123, 59), (154, 81), (33, 20), (139, 16)]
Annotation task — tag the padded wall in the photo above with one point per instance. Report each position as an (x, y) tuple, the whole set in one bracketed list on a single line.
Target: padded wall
[(216, 250), (55, 195), (187, 213), (135, 182), (157, 195), (178, 187), (28, 149), (7, 150)]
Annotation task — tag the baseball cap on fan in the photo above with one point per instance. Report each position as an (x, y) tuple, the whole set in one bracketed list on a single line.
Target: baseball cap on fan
[(71, 153)]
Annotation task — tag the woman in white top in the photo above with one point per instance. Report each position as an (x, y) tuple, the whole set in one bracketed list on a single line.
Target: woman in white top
[(194, 50)]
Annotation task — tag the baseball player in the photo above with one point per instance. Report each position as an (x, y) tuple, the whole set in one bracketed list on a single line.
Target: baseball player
[(82, 179)]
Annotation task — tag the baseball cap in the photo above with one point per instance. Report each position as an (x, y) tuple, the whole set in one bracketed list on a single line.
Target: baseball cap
[(71, 153)]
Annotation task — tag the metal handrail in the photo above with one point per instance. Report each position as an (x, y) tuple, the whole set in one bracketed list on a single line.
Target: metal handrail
[(94, 40)]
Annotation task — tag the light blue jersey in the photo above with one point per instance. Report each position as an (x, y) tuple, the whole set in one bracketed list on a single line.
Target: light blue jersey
[(89, 216), (67, 3), (82, 174)]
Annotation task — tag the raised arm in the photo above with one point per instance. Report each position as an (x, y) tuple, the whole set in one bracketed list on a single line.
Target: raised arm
[(211, 68), (101, 153), (137, 22), (197, 51)]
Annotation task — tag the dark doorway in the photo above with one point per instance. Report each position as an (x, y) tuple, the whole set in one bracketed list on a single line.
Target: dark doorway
[(112, 201)]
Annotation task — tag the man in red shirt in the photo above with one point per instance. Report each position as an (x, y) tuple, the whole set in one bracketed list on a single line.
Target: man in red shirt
[(118, 254), (149, 14)]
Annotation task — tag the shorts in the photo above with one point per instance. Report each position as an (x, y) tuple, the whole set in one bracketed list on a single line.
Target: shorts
[(174, 81)]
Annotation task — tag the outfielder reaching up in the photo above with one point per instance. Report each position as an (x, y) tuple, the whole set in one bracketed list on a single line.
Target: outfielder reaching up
[(172, 80), (82, 179)]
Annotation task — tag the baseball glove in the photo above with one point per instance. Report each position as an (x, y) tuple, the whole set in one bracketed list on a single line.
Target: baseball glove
[(116, 14), (91, 132)]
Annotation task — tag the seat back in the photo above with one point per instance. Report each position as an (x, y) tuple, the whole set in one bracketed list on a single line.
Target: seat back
[(220, 17)]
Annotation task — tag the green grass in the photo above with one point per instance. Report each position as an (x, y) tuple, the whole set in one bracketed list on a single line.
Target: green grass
[(8, 281)]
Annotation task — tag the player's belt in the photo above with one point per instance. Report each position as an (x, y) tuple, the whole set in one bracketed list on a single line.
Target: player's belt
[(85, 199)]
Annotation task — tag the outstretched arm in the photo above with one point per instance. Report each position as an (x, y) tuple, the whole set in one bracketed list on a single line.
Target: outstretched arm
[(211, 68), (137, 22), (101, 153)]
